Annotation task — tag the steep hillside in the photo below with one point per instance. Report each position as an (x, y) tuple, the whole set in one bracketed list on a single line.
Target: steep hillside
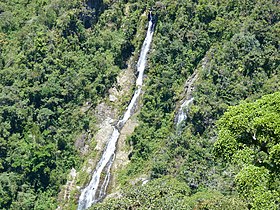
[(234, 47), (60, 64), (58, 60)]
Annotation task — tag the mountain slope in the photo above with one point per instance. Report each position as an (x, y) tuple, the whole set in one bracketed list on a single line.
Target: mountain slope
[(59, 59)]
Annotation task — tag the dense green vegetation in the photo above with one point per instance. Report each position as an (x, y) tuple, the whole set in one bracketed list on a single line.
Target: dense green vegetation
[(55, 57), (234, 47), (169, 193), (58, 56), (249, 137)]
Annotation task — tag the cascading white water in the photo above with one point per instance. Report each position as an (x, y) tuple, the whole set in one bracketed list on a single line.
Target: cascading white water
[(182, 113), (184, 108), (89, 193)]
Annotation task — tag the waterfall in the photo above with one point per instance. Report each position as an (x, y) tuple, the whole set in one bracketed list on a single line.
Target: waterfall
[(95, 191), (182, 113), (183, 110)]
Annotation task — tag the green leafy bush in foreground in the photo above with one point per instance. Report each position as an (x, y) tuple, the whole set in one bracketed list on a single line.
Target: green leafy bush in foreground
[(249, 137), (169, 193)]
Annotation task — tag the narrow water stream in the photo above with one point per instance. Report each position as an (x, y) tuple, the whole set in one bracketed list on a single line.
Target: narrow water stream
[(181, 115), (96, 189)]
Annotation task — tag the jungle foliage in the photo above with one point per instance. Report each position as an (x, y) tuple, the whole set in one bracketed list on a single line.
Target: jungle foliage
[(57, 57), (169, 193), (234, 48)]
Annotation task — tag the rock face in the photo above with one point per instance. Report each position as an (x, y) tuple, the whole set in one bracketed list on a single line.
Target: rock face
[(125, 82), (82, 142), (122, 154), (103, 134), (112, 98), (107, 113), (107, 116), (189, 85), (121, 159), (69, 184), (104, 111)]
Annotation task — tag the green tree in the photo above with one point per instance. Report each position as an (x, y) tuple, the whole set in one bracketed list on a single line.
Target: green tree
[(249, 137)]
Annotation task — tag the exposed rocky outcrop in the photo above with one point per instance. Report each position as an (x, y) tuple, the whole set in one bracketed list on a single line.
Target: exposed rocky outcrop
[(125, 82), (107, 113), (121, 159)]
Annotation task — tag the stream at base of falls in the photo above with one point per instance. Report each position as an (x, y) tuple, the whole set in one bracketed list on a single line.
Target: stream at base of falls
[(95, 190)]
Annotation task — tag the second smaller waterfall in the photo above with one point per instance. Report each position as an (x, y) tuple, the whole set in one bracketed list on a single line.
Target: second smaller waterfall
[(182, 114)]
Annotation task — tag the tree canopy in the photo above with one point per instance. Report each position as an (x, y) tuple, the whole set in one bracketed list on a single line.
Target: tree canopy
[(58, 57), (249, 137)]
